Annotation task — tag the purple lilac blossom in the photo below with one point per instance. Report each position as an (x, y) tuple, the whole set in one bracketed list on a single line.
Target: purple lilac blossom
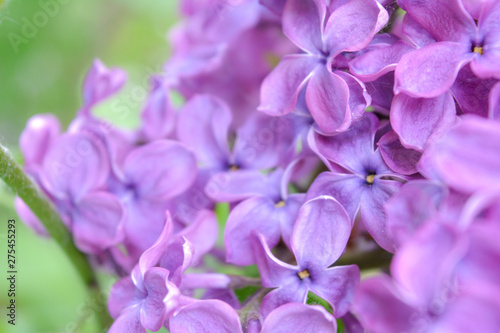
[(420, 173)]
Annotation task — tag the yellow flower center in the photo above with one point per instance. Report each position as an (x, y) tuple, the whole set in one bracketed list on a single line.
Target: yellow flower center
[(370, 179), (478, 49), (303, 274), (280, 204)]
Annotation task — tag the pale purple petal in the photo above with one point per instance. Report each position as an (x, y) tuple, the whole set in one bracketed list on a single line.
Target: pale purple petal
[(372, 210), (207, 316), (426, 261), (471, 92), (239, 185), (38, 136), (494, 109), (320, 233), (151, 257), (414, 203), (337, 286), (280, 89), (345, 188), (177, 258), (359, 98), (400, 159), (158, 115), (128, 322), (97, 222), (432, 70), (467, 157), (381, 308), (204, 126), (153, 310), (327, 98), (160, 170), (352, 26), (273, 272), (299, 318), (257, 214), (445, 20), (303, 22), (294, 292), (121, 296), (415, 120), (99, 84), (75, 165), (372, 65), (202, 233), (352, 148)]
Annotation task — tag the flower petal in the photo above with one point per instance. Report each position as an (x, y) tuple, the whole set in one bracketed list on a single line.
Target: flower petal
[(299, 318), (204, 126), (257, 214), (327, 98), (303, 22), (381, 307), (400, 159), (471, 92), (432, 70), (415, 120), (372, 210), (280, 89), (153, 310), (160, 170), (346, 189), (75, 165), (337, 285), (99, 84), (321, 232), (494, 110), (97, 222), (467, 158), (128, 321), (352, 26), (352, 148), (372, 65), (206, 316), (445, 20), (121, 296)]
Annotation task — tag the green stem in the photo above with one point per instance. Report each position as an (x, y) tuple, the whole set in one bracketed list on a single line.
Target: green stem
[(17, 180), (366, 260)]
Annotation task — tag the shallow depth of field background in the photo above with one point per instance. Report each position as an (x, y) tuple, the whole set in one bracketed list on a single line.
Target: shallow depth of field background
[(46, 46)]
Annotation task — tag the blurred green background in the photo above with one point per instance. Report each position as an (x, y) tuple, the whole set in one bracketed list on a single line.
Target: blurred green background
[(46, 47)]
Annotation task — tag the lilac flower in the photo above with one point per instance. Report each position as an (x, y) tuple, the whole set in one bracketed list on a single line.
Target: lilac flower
[(319, 237), (74, 173), (459, 42), (236, 172), (359, 179), (148, 297), (334, 97)]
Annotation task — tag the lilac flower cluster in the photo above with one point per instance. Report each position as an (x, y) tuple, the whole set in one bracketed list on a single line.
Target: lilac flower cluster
[(333, 130)]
